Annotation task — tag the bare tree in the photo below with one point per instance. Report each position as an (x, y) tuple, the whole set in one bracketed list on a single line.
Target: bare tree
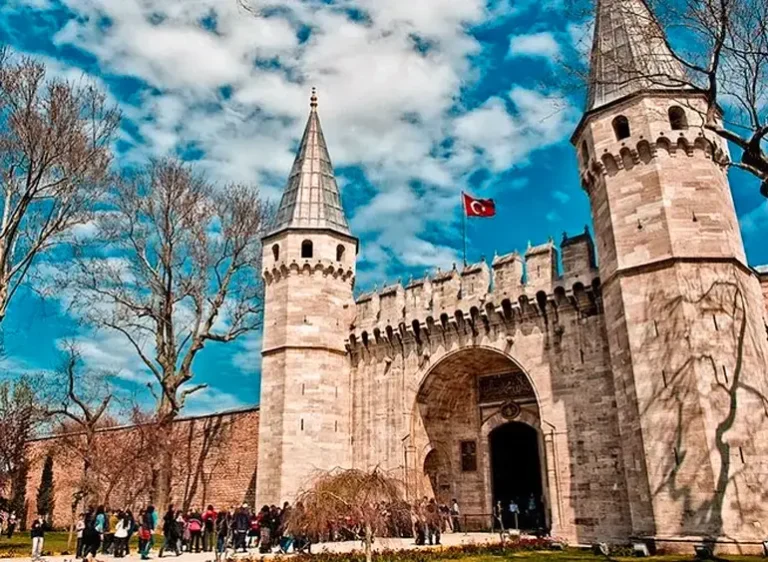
[(54, 163), (717, 48), (20, 416), (80, 410), (176, 267), (368, 499)]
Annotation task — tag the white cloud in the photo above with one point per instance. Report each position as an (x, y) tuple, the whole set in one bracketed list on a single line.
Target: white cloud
[(210, 400), (390, 85), (561, 196), (541, 44)]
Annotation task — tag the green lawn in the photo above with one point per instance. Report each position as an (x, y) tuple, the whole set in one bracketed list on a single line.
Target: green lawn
[(56, 543)]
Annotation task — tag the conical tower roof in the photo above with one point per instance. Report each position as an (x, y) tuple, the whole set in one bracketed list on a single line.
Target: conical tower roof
[(629, 54), (311, 197)]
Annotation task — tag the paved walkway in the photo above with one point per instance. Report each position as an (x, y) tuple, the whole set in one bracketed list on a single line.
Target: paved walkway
[(448, 539)]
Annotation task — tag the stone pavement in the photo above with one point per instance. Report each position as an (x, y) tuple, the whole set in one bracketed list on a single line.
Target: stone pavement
[(448, 539)]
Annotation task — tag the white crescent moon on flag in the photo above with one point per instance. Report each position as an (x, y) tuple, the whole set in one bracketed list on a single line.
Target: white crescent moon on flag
[(477, 210)]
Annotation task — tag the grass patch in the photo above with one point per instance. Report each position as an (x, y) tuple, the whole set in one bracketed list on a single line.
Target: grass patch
[(56, 544)]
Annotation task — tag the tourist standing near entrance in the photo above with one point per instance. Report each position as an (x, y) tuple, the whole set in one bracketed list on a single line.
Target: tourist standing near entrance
[(455, 516), (514, 512), (37, 532)]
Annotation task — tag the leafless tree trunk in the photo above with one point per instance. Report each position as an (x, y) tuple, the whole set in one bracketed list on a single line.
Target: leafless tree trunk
[(54, 163), (722, 48), (81, 411), (183, 271)]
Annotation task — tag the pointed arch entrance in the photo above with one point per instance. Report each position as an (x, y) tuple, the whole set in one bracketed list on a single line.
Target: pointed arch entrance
[(476, 428)]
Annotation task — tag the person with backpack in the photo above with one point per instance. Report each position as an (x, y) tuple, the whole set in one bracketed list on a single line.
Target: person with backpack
[(195, 524), (209, 528), (146, 531)]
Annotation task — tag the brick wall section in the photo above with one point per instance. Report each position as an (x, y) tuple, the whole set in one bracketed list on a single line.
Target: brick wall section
[(214, 463)]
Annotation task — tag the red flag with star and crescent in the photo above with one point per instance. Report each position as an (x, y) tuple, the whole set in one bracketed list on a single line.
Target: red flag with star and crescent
[(478, 207)]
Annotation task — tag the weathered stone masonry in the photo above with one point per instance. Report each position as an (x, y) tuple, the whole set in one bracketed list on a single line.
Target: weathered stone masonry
[(643, 375), (215, 462)]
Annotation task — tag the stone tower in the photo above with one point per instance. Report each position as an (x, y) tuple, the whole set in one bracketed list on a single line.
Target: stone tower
[(682, 307), (309, 267)]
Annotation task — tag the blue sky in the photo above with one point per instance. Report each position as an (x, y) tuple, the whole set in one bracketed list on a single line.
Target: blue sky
[(418, 99)]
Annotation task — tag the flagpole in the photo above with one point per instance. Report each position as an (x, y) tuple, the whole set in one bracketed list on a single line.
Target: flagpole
[(464, 221)]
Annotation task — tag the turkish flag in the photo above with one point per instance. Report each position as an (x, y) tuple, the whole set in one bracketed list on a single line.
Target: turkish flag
[(478, 207)]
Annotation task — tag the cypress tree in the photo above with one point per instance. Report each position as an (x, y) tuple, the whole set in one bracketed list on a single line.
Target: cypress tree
[(45, 491)]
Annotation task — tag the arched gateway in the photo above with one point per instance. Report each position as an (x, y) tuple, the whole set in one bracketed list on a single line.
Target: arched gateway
[(477, 421)]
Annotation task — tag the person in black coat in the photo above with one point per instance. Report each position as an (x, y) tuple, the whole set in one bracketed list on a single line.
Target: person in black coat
[(240, 526), (91, 536), (170, 533)]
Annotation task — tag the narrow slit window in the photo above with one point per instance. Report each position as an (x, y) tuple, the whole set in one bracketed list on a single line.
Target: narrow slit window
[(276, 252), (302, 424), (340, 252)]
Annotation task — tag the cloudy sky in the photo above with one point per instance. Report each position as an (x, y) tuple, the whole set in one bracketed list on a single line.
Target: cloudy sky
[(419, 99)]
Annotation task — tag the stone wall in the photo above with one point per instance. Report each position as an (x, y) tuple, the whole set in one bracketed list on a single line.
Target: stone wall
[(214, 462), (417, 352), (763, 275), (684, 316)]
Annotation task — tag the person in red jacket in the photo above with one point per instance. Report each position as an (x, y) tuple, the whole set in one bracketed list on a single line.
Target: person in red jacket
[(209, 528)]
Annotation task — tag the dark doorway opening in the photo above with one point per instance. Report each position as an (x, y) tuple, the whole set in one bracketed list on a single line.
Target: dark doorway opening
[(516, 475)]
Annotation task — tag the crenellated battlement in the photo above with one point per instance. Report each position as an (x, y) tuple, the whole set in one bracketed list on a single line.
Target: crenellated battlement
[(283, 269), (513, 287), (628, 153)]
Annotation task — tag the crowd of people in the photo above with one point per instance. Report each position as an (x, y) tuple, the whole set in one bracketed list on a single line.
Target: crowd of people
[(177, 531), (270, 529)]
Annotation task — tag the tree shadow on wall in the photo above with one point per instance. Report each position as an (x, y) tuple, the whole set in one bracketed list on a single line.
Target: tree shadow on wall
[(711, 363), (201, 443)]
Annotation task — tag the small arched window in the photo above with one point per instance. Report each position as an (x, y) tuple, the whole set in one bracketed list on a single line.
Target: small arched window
[(621, 127), (678, 120), (584, 154), (276, 251), (306, 249), (340, 252)]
